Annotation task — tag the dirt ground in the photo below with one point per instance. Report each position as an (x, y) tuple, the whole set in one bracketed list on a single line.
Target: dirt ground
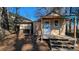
[(77, 48), (13, 43), (10, 43)]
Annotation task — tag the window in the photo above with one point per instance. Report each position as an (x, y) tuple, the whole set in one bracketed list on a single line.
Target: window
[(56, 23), (46, 27), (46, 24), (26, 31)]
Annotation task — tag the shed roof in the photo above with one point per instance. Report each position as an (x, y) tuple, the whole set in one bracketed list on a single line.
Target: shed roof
[(21, 19), (19, 16)]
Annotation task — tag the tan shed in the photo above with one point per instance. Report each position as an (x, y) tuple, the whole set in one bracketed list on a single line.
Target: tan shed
[(51, 25)]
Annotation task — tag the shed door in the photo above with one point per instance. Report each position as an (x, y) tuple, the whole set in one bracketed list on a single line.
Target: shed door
[(46, 29)]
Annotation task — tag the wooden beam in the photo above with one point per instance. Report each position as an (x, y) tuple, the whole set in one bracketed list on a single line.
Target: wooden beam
[(65, 25), (50, 21), (75, 44), (75, 27), (59, 25), (41, 29)]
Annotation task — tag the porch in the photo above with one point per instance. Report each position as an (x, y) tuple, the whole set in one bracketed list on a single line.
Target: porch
[(54, 28)]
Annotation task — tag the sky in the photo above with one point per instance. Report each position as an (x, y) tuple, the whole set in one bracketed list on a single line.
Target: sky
[(28, 12)]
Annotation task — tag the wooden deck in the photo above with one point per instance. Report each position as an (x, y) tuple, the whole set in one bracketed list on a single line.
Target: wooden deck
[(62, 43), (62, 37)]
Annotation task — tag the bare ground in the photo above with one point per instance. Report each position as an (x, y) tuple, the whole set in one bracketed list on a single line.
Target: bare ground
[(9, 43), (77, 48)]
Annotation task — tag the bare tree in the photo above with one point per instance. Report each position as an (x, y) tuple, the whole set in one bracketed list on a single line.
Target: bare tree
[(16, 21), (5, 23), (42, 11)]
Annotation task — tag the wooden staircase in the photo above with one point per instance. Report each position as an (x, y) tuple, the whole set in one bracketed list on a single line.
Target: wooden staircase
[(62, 44)]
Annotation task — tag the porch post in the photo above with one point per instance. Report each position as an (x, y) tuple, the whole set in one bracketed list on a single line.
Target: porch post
[(75, 33), (64, 26), (41, 30), (59, 25), (75, 27), (50, 27)]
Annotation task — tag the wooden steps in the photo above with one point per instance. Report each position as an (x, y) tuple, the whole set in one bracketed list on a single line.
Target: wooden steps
[(61, 44)]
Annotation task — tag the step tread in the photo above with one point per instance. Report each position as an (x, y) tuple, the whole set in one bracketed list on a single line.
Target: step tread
[(61, 49), (70, 43), (63, 45)]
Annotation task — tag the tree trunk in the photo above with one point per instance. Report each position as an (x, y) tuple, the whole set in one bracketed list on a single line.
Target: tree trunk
[(5, 19)]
